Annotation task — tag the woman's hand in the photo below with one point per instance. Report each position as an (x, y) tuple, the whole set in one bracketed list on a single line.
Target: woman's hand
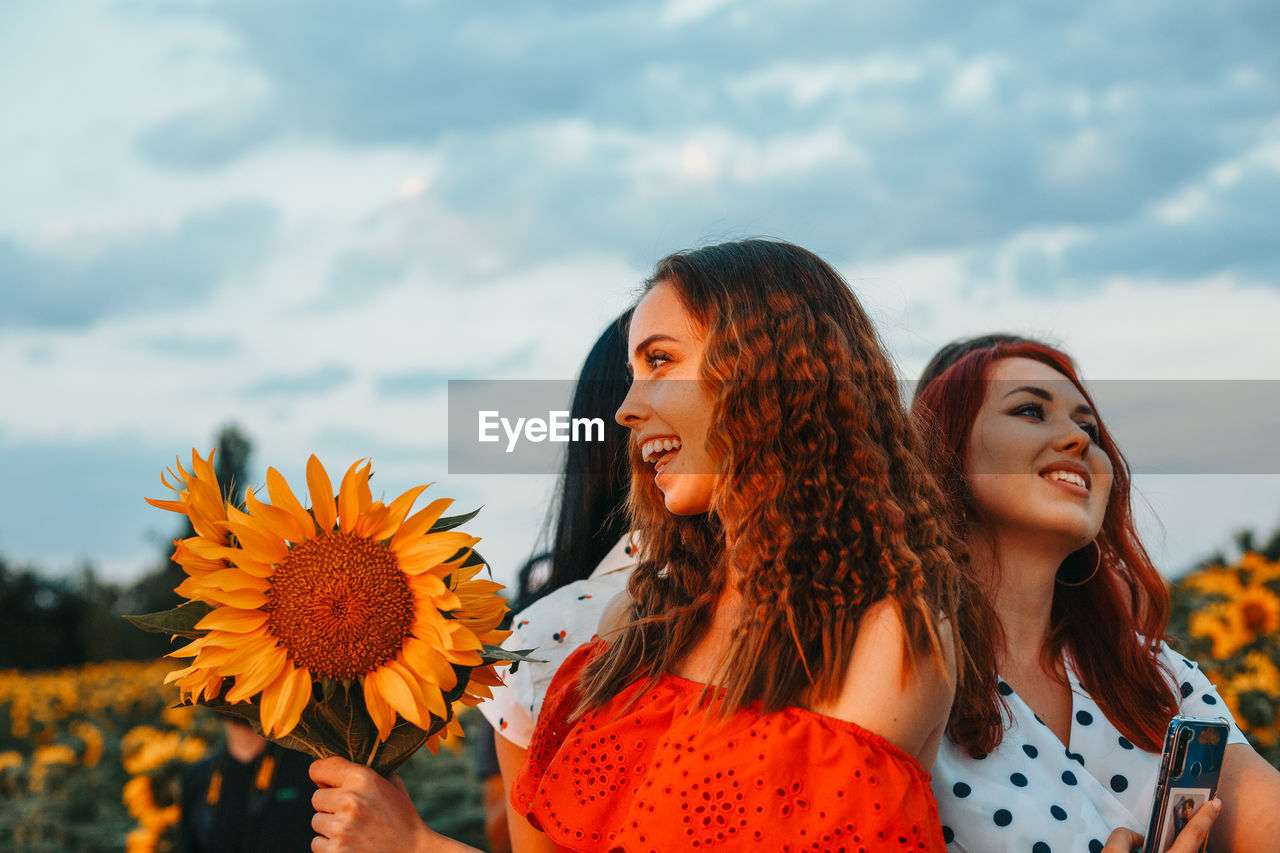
[(1190, 840), (357, 811)]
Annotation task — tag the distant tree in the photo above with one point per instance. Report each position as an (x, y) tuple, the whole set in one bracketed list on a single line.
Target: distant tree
[(231, 463), (39, 620)]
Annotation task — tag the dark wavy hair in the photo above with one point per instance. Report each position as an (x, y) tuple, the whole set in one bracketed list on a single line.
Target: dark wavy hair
[(1114, 623), (823, 493), (588, 514)]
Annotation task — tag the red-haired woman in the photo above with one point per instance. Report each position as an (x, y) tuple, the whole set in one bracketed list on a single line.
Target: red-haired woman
[(1064, 751), (784, 675)]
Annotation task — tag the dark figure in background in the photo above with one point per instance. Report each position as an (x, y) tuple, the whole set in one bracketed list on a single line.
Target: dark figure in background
[(251, 796)]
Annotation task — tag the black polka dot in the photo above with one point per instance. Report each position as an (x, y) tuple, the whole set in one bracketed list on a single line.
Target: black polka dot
[(1124, 742), (1038, 720), (1119, 783), (1209, 699), (1068, 777), (1002, 817), (1040, 847), (1095, 846), (1058, 812), (1186, 689), (1030, 750), (948, 835), (1187, 662), (1084, 718), (1005, 690), (980, 757), (1076, 757), (961, 790), (1019, 780)]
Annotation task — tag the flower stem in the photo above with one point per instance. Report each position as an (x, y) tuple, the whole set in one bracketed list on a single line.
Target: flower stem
[(372, 753)]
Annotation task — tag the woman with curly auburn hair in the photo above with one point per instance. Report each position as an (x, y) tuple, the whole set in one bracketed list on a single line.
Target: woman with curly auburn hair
[(787, 665), (782, 671), (1063, 751)]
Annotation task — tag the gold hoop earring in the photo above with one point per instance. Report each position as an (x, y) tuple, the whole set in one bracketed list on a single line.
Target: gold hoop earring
[(1097, 565)]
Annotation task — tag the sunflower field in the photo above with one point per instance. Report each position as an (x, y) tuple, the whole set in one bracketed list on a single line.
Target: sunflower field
[(1227, 619), (91, 757)]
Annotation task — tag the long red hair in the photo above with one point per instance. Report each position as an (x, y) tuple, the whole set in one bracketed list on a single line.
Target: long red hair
[(1114, 623)]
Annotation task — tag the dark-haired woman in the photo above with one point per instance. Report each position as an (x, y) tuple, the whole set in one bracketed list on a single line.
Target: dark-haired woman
[(589, 562), (1063, 754), (784, 675)]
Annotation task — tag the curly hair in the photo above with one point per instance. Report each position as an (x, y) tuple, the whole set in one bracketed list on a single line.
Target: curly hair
[(1112, 624), (823, 493)]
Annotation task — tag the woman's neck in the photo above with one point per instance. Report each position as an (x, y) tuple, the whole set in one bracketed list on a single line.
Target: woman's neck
[(701, 662), (1020, 570)]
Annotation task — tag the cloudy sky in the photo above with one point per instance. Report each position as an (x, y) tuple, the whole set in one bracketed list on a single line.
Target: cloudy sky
[(305, 217)]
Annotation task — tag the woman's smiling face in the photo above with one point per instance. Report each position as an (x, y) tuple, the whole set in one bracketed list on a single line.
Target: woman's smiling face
[(668, 408), (1032, 462)]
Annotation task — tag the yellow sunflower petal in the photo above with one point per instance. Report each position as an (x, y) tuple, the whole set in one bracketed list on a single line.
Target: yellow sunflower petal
[(421, 521), (171, 506), (245, 599), (233, 619), (354, 496), (372, 521), (399, 695), (384, 717), (284, 700), (428, 552), (283, 497), (395, 514), (236, 579), (265, 670), (258, 543), (428, 663), (276, 520), (322, 502)]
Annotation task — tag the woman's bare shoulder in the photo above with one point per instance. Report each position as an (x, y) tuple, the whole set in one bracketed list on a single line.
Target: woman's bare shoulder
[(905, 698)]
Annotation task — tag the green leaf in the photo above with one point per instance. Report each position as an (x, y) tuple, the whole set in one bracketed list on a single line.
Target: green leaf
[(452, 521), (180, 620), (491, 654)]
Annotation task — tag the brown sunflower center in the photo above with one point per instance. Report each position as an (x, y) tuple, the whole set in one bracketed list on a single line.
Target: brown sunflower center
[(340, 605), (1255, 616)]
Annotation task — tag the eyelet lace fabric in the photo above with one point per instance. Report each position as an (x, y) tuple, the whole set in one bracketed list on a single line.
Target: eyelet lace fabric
[(661, 776)]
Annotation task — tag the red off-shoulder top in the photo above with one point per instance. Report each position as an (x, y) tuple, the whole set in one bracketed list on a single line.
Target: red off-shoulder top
[(661, 776)]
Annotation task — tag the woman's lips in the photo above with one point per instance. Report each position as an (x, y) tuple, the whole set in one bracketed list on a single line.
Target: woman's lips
[(1070, 481), (664, 460)]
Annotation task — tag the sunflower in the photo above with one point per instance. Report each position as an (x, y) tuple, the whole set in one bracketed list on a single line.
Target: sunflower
[(352, 591), (1215, 580), (1223, 626), (1259, 610), (1253, 697)]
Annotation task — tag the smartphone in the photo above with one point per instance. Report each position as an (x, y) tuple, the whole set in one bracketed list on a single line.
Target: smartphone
[(1189, 768)]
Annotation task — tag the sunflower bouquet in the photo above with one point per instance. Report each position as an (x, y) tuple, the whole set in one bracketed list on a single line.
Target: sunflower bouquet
[(351, 628)]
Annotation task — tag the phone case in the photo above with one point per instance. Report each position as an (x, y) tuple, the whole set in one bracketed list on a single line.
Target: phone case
[(1189, 768)]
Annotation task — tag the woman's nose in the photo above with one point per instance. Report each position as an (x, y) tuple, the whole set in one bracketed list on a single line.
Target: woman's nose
[(631, 412), (1074, 439)]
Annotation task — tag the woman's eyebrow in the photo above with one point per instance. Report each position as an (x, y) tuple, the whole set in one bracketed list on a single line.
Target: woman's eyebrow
[(1031, 389), (654, 338), (1043, 394)]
